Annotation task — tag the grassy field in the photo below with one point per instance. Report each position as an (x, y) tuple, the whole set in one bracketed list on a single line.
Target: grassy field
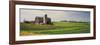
[(57, 28)]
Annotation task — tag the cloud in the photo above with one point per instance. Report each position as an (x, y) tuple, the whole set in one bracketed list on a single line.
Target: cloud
[(30, 14)]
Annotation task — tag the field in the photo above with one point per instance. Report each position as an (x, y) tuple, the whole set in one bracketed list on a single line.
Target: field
[(57, 28)]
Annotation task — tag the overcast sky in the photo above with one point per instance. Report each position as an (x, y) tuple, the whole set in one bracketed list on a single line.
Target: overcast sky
[(55, 15)]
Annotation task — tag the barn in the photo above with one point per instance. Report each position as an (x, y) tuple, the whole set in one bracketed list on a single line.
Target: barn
[(42, 20)]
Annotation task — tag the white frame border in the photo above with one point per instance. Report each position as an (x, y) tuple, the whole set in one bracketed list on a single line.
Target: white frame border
[(17, 27)]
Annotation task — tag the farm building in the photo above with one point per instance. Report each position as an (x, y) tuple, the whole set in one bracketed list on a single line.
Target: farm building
[(43, 20)]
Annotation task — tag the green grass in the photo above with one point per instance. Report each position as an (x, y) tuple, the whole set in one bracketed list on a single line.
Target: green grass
[(57, 28)]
